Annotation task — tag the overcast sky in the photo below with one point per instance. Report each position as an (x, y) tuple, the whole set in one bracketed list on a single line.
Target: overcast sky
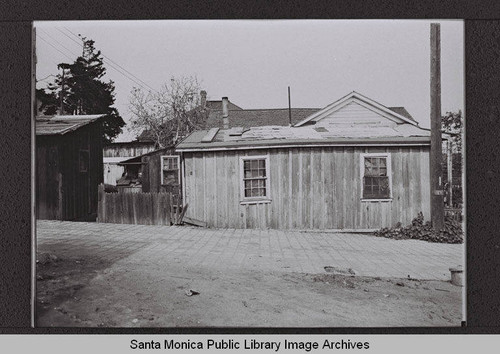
[(254, 61)]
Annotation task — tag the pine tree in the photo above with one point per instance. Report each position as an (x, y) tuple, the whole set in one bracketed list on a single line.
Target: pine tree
[(78, 89)]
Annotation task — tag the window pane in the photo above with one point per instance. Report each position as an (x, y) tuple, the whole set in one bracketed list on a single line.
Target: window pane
[(254, 178), (376, 187)]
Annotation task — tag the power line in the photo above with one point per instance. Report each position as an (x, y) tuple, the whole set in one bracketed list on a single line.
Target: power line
[(114, 62), (110, 64), (43, 39), (55, 40)]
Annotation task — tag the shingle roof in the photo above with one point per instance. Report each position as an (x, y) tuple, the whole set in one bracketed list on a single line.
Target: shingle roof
[(262, 117), (259, 117), (402, 111), (60, 125), (304, 135), (217, 105)]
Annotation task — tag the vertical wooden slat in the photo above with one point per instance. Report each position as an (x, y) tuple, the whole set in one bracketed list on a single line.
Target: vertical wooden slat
[(311, 188), (322, 199), (340, 185), (328, 188), (318, 197), (306, 187)]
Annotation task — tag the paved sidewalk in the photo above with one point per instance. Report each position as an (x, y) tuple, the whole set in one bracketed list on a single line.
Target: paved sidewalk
[(268, 250)]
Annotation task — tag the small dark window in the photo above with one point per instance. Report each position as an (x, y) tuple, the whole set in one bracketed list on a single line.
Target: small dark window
[(375, 178), (84, 160), (170, 170)]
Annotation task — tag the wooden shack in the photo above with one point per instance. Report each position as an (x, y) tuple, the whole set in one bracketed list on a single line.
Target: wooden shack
[(155, 171), (114, 153), (353, 165), (69, 166)]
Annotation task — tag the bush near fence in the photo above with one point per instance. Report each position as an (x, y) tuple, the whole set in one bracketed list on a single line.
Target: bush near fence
[(140, 208)]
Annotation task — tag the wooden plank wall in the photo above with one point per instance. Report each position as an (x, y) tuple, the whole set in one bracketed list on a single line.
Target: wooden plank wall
[(311, 188), (137, 208), (80, 188), (151, 174), (127, 150), (48, 180)]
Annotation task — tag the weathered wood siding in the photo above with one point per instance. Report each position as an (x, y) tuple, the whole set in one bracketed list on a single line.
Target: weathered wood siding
[(48, 192), (63, 192), (311, 188), (354, 113), (151, 174), (127, 149)]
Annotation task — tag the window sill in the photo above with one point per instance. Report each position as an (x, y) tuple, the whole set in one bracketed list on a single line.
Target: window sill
[(255, 201), (376, 200)]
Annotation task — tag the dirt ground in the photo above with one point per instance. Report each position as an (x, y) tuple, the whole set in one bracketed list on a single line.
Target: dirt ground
[(88, 292)]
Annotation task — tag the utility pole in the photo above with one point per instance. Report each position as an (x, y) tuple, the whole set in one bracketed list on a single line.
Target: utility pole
[(436, 155), (61, 96), (289, 107)]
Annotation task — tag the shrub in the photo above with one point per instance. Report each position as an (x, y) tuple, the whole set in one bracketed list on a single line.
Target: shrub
[(418, 230)]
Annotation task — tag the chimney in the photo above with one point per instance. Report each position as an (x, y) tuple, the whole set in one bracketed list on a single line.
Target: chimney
[(203, 95), (225, 113)]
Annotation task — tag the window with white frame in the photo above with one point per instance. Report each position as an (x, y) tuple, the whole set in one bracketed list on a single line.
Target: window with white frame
[(255, 178), (170, 171), (376, 176)]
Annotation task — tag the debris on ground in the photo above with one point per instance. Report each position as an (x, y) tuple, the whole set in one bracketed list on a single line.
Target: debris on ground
[(46, 258), (338, 270), (418, 230), (191, 292)]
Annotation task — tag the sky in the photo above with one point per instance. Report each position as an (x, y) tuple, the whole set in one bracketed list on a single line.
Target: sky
[(254, 61)]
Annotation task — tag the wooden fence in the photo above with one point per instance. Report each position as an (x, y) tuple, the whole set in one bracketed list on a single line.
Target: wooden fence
[(139, 208), (454, 213)]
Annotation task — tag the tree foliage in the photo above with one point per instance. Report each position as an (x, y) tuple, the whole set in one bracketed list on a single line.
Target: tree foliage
[(170, 114), (452, 122), (79, 89)]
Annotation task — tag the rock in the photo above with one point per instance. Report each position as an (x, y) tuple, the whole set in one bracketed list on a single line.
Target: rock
[(135, 320), (339, 270)]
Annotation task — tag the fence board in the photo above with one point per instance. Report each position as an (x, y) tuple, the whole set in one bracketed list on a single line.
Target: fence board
[(159, 208)]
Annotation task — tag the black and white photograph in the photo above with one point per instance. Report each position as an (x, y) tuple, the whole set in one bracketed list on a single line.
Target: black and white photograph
[(249, 173)]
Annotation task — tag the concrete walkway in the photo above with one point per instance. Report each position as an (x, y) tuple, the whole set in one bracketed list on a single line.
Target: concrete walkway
[(268, 250)]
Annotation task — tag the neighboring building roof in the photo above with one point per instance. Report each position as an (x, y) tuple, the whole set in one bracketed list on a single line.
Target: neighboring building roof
[(60, 125), (127, 143), (273, 136), (114, 160), (396, 113), (138, 159), (259, 117), (217, 106), (271, 128), (402, 111)]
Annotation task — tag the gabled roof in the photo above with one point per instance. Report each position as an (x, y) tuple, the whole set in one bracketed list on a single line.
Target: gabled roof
[(60, 125), (398, 114), (259, 117)]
